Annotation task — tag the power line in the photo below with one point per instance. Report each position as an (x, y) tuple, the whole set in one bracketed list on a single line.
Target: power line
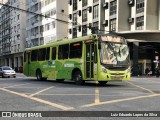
[(33, 13)]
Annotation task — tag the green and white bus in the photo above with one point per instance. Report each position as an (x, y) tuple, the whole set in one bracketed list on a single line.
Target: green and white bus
[(96, 57)]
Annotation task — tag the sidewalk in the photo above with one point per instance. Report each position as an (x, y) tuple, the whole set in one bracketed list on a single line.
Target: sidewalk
[(144, 76), (20, 74)]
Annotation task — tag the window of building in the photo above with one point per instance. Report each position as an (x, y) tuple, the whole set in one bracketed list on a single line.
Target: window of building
[(84, 30), (113, 7), (95, 1), (54, 53), (84, 3), (113, 25), (84, 15), (63, 51), (47, 27), (74, 5), (75, 50), (75, 19), (95, 11), (53, 25), (74, 32), (96, 26), (140, 6), (140, 23)]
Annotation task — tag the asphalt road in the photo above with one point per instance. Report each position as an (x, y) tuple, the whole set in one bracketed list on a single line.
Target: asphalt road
[(28, 94)]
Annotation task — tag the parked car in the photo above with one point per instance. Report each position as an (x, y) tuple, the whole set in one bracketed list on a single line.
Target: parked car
[(6, 71)]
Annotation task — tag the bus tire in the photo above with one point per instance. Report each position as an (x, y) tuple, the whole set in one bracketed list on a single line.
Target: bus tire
[(60, 80), (39, 75), (77, 77), (102, 82)]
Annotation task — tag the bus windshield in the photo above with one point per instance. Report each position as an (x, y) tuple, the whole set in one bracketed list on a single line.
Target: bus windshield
[(114, 52)]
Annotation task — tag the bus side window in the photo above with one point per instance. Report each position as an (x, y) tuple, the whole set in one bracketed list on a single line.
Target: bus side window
[(41, 54), (95, 53), (63, 51), (54, 53), (47, 53), (75, 50), (34, 55), (24, 56)]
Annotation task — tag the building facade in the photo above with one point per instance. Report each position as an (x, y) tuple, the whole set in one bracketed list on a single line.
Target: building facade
[(48, 24), (12, 34), (136, 20)]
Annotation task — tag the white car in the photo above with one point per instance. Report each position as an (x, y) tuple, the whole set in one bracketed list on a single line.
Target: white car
[(6, 71)]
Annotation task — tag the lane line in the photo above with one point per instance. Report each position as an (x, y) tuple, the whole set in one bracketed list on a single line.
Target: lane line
[(40, 91), (15, 85), (38, 100), (118, 100), (141, 87), (97, 100)]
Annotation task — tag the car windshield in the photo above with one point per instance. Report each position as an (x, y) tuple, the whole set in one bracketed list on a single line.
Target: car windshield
[(114, 53), (7, 68)]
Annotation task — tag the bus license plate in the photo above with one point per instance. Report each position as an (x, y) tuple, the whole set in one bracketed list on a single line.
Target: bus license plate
[(117, 77)]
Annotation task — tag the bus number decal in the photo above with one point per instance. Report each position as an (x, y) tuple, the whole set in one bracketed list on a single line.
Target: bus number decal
[(68, 65)]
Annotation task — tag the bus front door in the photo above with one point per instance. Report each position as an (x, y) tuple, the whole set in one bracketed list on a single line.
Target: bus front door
[(91, 72)]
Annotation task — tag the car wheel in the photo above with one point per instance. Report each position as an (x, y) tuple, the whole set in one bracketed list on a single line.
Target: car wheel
[(2, 76)]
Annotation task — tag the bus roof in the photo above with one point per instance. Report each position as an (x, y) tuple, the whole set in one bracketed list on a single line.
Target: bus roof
[(64, 41)]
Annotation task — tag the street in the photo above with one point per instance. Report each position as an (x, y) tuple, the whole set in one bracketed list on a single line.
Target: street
[(28, 94)]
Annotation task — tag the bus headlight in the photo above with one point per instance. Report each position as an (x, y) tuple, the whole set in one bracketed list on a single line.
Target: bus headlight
[(129, 69), (104, 69)]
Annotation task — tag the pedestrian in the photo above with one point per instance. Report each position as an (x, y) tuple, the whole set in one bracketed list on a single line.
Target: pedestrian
[(150, 72), (146, 71), (157, 72)]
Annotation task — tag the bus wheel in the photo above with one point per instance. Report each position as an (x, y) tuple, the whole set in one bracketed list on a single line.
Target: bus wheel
[(77, 77), (102, 82), (39, 75), (60, 80)]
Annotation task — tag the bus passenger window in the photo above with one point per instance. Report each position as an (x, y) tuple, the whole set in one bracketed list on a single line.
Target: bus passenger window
[(47, 53), (41, 54), (63, 51), (24, 56), (54, 53), (75, 50), (34, 54)]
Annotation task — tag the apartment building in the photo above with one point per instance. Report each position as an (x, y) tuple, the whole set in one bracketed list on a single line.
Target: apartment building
[(48, 24), (13, 34), (136, 20)]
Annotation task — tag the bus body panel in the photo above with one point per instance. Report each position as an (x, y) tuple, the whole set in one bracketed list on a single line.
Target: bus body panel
[(63, 68)]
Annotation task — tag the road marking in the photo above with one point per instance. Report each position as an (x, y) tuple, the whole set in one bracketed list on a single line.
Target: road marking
[(15, 85), (97, 100), (141, 87), (40, 91), (38, 100), (119, 100)]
